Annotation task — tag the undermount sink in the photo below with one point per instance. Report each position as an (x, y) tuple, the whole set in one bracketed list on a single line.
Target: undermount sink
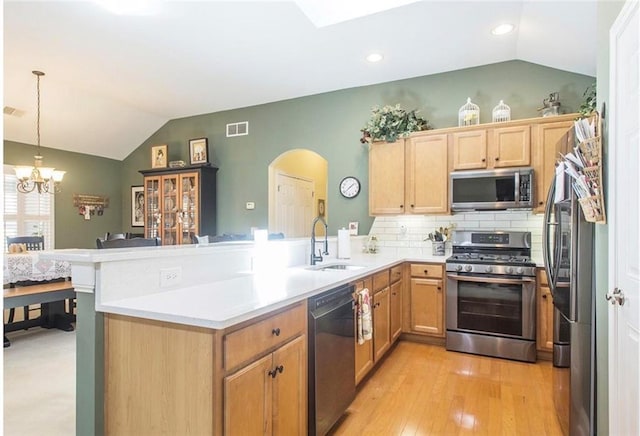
[(336, 266)]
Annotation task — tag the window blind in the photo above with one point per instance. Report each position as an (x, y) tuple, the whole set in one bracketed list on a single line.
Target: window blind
[(29, 214)]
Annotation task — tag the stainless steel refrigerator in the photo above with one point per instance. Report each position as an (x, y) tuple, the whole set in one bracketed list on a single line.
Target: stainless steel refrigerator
[(568, 256)]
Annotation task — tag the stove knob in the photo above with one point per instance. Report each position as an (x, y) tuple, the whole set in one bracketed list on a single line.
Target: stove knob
[(520, 270), (509, 270), (488, 268), (458, 267), (468, 268)]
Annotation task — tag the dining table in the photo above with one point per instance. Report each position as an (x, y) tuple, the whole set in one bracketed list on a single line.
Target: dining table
[(27, 268)]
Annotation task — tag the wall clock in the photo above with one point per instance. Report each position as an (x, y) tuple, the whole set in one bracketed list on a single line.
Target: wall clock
[(349, 187)]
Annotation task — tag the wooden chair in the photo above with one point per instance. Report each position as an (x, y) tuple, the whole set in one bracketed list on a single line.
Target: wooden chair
[(110, 236), (204, 239), (33, 243), (128, 243)]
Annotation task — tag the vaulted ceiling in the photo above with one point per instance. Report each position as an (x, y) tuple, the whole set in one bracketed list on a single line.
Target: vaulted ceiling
[(112, 80)]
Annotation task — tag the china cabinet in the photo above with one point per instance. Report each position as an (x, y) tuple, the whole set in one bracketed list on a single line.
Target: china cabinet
[(179, 203)]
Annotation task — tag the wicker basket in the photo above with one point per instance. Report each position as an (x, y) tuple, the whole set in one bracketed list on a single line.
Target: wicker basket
[(591, 150), (593, 209)]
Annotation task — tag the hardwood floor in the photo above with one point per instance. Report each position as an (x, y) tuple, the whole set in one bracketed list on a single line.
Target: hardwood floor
[(425, 390)]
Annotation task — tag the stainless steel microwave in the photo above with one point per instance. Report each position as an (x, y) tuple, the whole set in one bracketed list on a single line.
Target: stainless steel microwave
[(508, 188)]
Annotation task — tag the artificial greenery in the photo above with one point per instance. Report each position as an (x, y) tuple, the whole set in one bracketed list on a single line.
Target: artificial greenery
[(390, 123), (588, 106)]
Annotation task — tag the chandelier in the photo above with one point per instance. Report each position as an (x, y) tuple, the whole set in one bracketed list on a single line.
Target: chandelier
[(44, 179)]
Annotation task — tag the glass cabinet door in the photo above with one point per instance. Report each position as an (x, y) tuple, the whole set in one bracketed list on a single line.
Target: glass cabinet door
[(188, 207), (152, 207), (170, 207)]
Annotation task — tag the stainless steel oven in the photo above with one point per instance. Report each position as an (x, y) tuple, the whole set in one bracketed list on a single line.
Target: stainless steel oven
[(491, 295)]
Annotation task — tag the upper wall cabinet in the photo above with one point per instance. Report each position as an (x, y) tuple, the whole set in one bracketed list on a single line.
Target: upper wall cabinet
[(550, 138), (409, 176), (493, 147)]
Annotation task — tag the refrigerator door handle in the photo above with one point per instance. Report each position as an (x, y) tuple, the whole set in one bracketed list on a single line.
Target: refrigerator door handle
[(546, 236)]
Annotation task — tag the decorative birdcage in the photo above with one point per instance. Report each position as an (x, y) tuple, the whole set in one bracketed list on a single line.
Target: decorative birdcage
[(469, 114), (501, 113)]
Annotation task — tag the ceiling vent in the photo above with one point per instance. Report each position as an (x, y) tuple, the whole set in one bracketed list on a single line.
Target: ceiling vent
[(238, 129), (8, 110)]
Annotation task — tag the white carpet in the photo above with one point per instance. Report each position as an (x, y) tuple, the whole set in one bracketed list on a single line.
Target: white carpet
[(39, 383)]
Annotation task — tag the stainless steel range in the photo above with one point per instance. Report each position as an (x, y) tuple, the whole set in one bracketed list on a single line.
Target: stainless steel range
[(491, 295)]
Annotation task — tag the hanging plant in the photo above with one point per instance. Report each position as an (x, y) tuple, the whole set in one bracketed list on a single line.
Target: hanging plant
[(390, 123)]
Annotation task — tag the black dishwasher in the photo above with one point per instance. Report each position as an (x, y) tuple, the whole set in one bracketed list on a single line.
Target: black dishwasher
[(332, 385)]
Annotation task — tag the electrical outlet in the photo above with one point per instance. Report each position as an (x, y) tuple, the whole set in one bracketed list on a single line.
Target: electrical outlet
[(170, 277), (250, 205)]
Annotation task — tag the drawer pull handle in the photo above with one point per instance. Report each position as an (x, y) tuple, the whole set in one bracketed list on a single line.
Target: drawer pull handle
[(439, 288), (276, 370), (276, 331)]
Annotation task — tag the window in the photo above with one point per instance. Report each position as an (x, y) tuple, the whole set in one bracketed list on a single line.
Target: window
[(27, 214)]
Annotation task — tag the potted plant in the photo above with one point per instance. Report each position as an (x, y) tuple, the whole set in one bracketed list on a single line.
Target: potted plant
[(588, 106), (391, 122)]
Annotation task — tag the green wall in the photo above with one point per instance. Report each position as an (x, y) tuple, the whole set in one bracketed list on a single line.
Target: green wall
[(85, 175), (329, 124)]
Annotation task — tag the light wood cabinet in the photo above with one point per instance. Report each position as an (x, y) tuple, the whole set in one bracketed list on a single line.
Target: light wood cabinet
[(364, 351), (395, 310), (545, 314), (510, 146), (179, 204), (469, 149), (386, 178), (381, 337), (549, 139), (409, 176), (427, 174), (166, 378), (493, 147), (269, 395), (427, 297)]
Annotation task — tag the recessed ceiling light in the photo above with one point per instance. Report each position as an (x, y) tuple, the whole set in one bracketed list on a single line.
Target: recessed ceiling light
[(374, 57), (502, 29)]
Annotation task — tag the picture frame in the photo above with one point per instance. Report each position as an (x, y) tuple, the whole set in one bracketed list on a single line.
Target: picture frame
[(159, 156), (198, 151), (321, 207), (137, 206), (353, 228)]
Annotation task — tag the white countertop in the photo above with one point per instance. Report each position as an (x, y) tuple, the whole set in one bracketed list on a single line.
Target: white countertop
[(219, 304), (235, 295)]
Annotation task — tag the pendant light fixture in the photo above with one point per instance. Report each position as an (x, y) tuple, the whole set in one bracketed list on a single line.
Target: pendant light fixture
[(44, 179)]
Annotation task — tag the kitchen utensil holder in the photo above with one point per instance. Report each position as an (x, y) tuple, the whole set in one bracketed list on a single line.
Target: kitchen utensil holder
[(437, 248)]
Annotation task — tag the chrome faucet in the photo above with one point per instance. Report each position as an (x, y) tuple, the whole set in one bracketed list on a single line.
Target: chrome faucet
[(318, 258)]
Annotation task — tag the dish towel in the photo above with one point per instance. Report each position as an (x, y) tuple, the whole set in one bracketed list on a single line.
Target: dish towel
[(364, 316)]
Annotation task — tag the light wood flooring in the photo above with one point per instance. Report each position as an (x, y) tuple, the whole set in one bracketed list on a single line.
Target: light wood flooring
[(425, 390)]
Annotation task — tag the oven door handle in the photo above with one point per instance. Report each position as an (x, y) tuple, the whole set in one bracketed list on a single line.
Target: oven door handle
[(490, 279)]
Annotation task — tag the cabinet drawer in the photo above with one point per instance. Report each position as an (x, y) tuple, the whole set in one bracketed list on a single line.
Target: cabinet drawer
[(380, 280), (395, 274), (424, 270), (242, 345)]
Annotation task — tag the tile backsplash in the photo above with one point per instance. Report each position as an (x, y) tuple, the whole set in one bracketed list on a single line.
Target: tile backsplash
[(404, 235)]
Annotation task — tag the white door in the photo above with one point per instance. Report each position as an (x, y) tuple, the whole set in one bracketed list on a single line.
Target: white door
[(294, 205), (624, 235)]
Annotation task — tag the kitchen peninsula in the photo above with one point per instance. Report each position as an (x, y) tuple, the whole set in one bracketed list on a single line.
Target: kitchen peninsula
[(162, 329)]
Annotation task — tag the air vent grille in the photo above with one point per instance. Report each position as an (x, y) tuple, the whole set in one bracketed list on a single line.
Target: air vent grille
[(238, 129)]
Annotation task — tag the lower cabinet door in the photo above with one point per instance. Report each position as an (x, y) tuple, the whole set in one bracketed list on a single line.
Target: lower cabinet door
[(248, 399), (427, 307), (290, 388), (381, 338), (395, 310)]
